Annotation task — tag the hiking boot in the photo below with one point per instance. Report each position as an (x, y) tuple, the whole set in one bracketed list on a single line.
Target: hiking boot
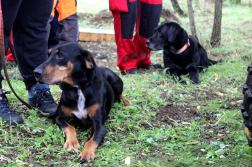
[(154, 65), (131, 71), (9, 117), (42, 99)]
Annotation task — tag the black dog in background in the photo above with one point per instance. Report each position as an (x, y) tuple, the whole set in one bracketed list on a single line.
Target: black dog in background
[(182, 53)]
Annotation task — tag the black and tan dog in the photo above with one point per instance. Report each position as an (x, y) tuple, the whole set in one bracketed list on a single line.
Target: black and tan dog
[(88, 93), (182, 53)]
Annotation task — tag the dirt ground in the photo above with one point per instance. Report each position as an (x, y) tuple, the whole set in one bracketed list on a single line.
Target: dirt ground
[(105, 17), (103, 52)]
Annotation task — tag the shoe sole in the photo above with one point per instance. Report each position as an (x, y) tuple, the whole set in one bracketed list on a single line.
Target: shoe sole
[(42, 112)]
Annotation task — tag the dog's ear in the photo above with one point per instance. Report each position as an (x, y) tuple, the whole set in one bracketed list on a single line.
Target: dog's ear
[(183, 35), (86, 59), (172, 33)]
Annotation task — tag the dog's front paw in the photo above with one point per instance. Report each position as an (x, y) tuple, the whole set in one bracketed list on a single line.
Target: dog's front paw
[(71, 142), (183, 82), (86, 155), (196, 82), (127, 102)]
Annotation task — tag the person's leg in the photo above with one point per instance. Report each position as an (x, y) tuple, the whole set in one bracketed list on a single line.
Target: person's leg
[(68, 21), (50, 20), (52, 41), (30, 41), (9, 11), (149, 15), (9, 54), (10, 60), (124, 23), (29, 35)]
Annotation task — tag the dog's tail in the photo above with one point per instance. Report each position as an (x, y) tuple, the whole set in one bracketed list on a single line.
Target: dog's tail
[(212, 62)]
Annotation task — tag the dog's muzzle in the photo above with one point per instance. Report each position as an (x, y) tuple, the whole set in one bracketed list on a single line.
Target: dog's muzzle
[(38, 73)]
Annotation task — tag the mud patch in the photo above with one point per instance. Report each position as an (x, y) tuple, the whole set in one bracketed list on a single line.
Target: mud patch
[(177, 113), (170, 114), (101, 18), (103, 52), (105, 17)]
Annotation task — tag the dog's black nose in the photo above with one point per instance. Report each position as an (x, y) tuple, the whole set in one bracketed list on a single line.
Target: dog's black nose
[(147, 42), (37, 72)]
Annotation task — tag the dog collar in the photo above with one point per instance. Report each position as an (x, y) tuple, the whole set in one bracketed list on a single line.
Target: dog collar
[(184, 47)]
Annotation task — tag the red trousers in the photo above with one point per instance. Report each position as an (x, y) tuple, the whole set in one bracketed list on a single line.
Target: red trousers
[(9, 54), (144, 15)]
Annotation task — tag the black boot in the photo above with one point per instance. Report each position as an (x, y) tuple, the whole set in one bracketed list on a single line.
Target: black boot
[(131, 71), (6, 113), (43, 100), (154, 65)]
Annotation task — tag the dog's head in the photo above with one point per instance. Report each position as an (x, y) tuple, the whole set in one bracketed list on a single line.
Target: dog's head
[(168, 35), (67, 63)]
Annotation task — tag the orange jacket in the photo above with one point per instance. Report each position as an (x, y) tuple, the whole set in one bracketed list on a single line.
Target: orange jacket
[(65, 8)]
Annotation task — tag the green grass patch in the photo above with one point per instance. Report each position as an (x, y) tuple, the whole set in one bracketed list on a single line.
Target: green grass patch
[(147, 132)]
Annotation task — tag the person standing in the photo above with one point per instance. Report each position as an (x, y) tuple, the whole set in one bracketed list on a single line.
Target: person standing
[(144, 15), (63, 23), (28, 20)]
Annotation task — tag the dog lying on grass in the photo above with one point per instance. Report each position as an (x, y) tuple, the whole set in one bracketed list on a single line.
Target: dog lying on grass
[(88, 93), (182, 53)]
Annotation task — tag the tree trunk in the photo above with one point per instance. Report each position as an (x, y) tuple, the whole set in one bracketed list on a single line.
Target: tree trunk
[(238, 1), (177, 8), (216, 33), (191, 18)]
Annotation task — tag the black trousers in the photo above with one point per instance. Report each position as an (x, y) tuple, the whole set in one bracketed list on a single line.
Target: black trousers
[(28, 20)]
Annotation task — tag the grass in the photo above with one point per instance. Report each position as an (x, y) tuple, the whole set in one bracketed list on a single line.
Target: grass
[(140, 132)]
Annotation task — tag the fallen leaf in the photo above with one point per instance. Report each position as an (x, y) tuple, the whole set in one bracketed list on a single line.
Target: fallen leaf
[(22, 163), (219, 93), (193, 142), (120, 128), (235, 132), (127, 161), (220, 134), (169, 154), (239, 101), (171, 119), (216, 76), (232, 103)]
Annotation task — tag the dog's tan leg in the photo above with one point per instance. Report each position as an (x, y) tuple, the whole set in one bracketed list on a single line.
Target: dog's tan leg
[(125, 101), (71, 139), (89, 151)]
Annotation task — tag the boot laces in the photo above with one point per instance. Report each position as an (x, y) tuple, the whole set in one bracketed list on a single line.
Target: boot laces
[(43, 94), (4, 104)]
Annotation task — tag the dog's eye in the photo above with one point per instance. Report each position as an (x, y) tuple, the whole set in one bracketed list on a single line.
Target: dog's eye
[(159, 32), (60, 56)]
